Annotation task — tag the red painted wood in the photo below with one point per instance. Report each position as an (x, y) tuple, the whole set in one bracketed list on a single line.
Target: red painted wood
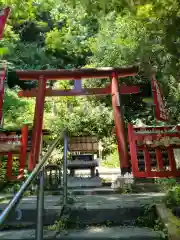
[(155, 136), (172, 161), (161, 112), (9, 139), (38, 123), (69, 74), (9, 166), (147, 160), (149, 173), (23, 151), (3, 18), (156, 129), (133, 151), (2, 84), (141, 147), (84, 92), (160, 164), (162, 174), (119, 125)]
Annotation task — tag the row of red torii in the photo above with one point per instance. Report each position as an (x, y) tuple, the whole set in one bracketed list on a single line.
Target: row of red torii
[(115, 90)]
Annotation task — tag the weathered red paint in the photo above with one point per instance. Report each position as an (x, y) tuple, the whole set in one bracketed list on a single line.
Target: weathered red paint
[(134, 137), (9, 166), (172, 161), (67, 74), (119, 125), (133, 150), (84, 92), (22, 160), (161, 112), (38, 123), (2, 85), (23, 152), (155, 136), (159, 159), (147, 160)]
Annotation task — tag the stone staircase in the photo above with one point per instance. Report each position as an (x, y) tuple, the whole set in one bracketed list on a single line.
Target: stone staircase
[(94, 215)]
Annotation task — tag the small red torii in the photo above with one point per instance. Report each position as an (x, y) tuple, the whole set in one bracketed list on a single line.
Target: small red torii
[(114, 89)]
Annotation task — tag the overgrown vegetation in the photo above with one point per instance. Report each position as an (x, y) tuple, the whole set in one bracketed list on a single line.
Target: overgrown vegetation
[(166, 183), (74, 34), (111, 160), (150, 219), (172, 198)]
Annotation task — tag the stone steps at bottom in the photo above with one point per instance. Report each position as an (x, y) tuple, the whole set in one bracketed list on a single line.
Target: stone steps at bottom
[(95, 233), (97, 217)]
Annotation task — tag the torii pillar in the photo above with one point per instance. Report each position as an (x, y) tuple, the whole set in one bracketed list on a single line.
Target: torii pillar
[(120, 126)]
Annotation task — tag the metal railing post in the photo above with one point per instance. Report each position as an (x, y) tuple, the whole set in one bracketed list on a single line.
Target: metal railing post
[(40, 202), (65, 168), (40, 206)]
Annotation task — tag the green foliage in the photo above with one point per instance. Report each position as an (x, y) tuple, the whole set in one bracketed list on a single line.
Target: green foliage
[(66, 34), (172, 198), (112, 160), (149, 216), (166, 183), (149, 219), (17, 111)]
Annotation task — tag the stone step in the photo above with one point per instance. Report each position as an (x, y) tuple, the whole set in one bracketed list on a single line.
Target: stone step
[(95, 233), (115, 209), (86, 191), (79, 216), (146, 187), (86, 209), (25, 213), (112, 216), (74, 182), (110, 189), (26, 218)]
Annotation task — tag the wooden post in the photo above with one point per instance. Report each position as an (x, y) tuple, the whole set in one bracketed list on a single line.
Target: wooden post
[(159, 158), (38, 123), (147, 160), (133, 150), (119, 126), (172, 161), (9, 166), (23, 152)]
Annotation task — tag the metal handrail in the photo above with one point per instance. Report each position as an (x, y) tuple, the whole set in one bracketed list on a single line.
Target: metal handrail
[(17, 197)]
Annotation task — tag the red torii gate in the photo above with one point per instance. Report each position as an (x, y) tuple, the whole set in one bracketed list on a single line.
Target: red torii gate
[(114, 89)]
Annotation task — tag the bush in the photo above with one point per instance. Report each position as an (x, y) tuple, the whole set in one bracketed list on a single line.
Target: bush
[(112, 160), (166, 183), (172, 199)]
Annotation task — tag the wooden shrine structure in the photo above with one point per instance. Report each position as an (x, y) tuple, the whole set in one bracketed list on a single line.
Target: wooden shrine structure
[(84, 154), (17, 143), (152, 151)]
